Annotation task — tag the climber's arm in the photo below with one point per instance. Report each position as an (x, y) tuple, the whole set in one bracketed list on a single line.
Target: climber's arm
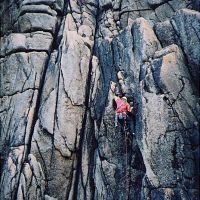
[(115, 97), (129, 108), (112, 86)]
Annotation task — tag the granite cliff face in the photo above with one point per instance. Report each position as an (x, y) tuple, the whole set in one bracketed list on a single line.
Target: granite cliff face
[(58, 61)]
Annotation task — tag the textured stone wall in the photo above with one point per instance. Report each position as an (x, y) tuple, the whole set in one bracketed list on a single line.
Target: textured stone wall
[(58, 61)]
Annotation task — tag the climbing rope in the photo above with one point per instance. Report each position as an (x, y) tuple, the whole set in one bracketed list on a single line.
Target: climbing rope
[(127, 186), (126, 178), (126, 173)]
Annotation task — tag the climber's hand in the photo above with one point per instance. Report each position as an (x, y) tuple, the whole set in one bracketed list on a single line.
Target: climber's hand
[(112, 86), (132, 111)]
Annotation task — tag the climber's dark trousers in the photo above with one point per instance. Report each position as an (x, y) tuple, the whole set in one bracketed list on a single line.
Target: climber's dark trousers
[(119, 116), (124, 121)]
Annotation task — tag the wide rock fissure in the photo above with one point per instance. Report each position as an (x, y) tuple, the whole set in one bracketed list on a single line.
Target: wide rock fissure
[(59, 63)]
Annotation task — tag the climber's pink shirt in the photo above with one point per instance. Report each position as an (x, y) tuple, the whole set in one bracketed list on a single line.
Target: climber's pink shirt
[(122, 106)]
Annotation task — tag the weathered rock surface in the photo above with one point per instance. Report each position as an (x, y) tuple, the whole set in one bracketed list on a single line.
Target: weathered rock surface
[(58, 62)]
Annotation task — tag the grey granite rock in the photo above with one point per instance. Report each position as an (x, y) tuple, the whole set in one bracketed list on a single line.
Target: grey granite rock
[(30, 22), (187, 26), (165, 33), (16, 42), (60, 62)]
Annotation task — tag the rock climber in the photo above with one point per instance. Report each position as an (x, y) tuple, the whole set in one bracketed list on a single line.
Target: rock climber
[(121, 111), (123, 107)]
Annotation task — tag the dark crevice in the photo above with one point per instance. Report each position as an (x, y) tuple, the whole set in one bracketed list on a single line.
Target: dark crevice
[(59, 30), (70, 185), (190, 107), (3, 156), (82, 132), (36, 111), (71, 12), (132, 10), (17, 2), (19, 173), (81, 175), (35, 29), (58, 43), (106, 7), (36, 11), (160, 4), (157, 36), (94, 145), (7, 138), (27, 78), (19, 92), (58, 61), (45, 2), (24, 51), (29, 109), (44, 165), (194, 4), (157, 17), (171, 6), (175, 113), (175, 163)]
